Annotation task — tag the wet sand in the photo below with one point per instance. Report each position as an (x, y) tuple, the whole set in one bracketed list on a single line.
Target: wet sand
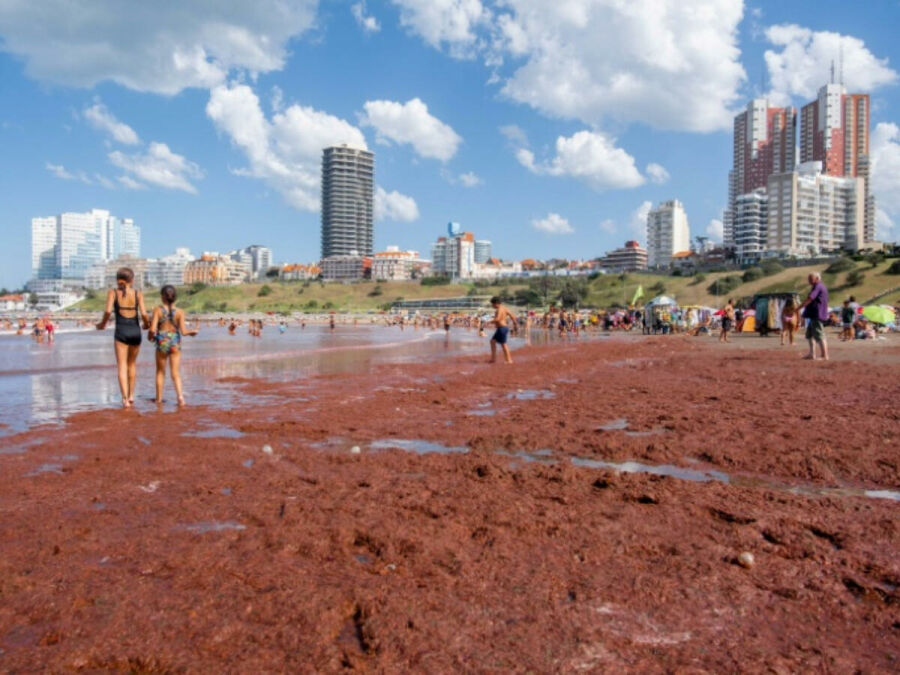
[(455, 516)]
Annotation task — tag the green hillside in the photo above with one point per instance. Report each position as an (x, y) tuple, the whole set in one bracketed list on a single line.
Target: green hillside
[(602, 291)]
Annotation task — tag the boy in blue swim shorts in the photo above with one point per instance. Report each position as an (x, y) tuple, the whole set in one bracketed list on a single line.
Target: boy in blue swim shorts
[(502, 317)]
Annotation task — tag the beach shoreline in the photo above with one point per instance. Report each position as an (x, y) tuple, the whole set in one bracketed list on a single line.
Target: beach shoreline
[(582, 509)]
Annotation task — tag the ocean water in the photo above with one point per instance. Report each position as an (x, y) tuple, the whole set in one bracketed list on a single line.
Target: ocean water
[(44, 383)]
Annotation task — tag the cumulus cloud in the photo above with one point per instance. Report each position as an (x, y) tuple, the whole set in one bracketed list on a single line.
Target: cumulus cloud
[(657, 173), (367, 22), (60, 172), (155, 47), (637, 222), (286, 151), (715, 230), (130, 183), (590, 156), (515, 135), (158, 166), (884, 150), (451, 24), (395, 206), (668, 63), (411, 123), (470, 179), (608, 225), (100, 118), (801, 62), (552, 224)]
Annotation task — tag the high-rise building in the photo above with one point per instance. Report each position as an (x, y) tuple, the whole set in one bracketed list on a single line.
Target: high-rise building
[(454, 255), (835, 132), (811, 212), (348, 176), (751, 222), (764, 140), (482, 251), (668, 233), (629, 258), (68, 245)]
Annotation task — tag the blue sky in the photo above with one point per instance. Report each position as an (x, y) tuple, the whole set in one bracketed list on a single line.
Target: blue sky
[(545, 127)]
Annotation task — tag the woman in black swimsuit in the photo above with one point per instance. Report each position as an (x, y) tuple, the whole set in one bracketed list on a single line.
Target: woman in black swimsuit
[(127, 305)]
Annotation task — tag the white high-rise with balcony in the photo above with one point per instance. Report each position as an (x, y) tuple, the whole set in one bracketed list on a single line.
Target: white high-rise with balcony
[(68, 245), (668, 233)]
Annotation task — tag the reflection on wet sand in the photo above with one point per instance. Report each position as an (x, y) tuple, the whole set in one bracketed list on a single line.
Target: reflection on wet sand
[(42, 384)]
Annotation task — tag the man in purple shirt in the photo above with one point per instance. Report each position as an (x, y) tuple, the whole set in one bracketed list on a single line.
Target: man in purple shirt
[(815, 311)]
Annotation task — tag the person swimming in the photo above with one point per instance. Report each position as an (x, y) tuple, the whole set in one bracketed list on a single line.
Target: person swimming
[(166, 329)]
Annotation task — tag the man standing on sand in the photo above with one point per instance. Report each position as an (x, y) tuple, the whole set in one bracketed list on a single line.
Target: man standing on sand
[(727, 320), (815, 311), (501, 335)]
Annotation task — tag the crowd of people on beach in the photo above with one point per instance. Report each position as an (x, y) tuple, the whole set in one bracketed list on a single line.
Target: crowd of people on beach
[(166, 325)]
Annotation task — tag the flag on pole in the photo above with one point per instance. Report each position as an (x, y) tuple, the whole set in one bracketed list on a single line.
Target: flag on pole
[(638, 294)]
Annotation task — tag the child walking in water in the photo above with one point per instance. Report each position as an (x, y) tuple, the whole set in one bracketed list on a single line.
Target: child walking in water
[(166, 329)]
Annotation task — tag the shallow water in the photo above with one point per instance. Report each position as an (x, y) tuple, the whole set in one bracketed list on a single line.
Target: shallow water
[(44, 383)]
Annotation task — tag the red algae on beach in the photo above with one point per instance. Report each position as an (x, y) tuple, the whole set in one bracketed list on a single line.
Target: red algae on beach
[(388, 522)]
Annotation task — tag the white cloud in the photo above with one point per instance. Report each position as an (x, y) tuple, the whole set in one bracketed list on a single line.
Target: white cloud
[(159, 166), (411, 123), (715, 230), (100, 118), (637, 223), (450, 23), (367, 22), (131, 183), (104, 181), (884, 149), (668, 63), (884, 226), (657, 173), (60, 172), (395, 206), (286, 151), (803, 61), (470, 179), (156, 47), (589, 156), (515, 135), (277, 99), (608, 225), (552, 224)]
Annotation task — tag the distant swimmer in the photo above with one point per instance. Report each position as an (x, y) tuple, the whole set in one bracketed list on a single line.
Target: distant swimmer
[(166, 330), (502, 317), (128, 306), (232, 327), (331, 322)]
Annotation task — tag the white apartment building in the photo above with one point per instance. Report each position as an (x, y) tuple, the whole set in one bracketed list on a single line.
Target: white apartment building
[(454, 256), (482, 250), (392, 264), (258, 257), (68, 245), (344, 267), (811, 213), (168, 270), (751, 224), (668, 233)]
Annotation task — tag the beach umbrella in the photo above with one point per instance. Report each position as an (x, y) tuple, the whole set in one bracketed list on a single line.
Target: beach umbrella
[(878, 314)]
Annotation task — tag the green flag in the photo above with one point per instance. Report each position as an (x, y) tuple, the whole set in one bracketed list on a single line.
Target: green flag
[(638, 294)]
